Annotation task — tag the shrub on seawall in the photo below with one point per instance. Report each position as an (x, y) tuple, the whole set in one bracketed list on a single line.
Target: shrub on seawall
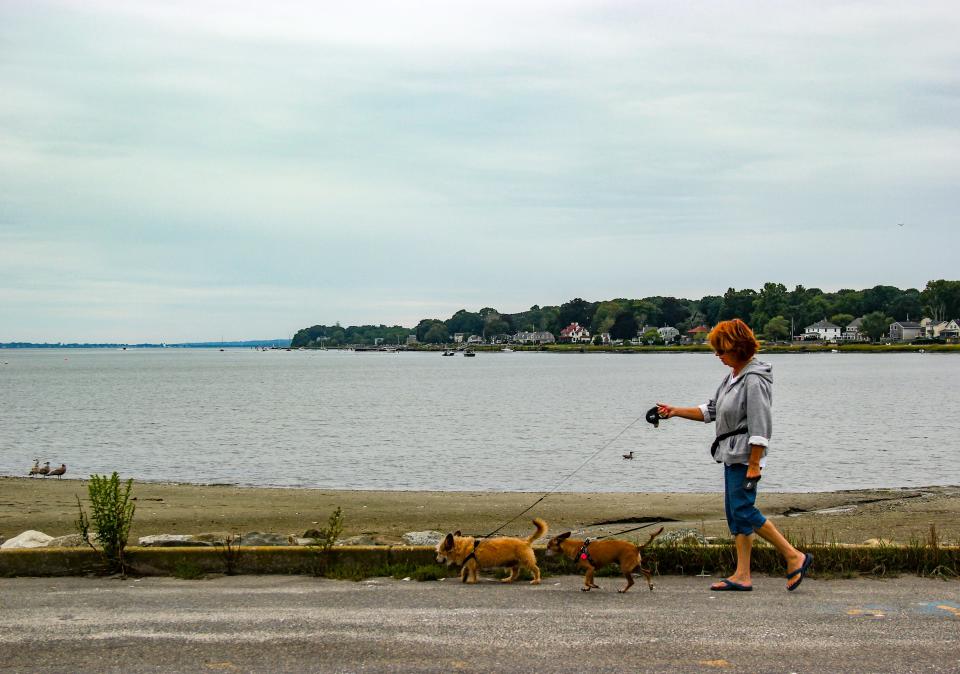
[(112, 514)]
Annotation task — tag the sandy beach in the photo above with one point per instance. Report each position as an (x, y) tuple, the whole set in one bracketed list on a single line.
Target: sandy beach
[(897, 515)]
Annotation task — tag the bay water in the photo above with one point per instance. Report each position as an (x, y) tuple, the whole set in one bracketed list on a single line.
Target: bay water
[(500, 421)]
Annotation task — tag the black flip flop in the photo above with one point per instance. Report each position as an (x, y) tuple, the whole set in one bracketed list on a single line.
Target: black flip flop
[(807, 561), (728, 585)]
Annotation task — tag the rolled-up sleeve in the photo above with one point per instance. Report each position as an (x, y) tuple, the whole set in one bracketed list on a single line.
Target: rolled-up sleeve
[(709, 411), (759, 411)]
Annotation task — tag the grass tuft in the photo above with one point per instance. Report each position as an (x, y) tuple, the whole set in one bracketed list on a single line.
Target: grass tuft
[(188, 571)]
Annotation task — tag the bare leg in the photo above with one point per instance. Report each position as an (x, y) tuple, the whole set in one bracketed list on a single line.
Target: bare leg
[(744, 546), (793, 557)]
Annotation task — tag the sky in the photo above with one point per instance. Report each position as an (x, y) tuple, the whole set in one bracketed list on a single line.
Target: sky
[(205, 170)]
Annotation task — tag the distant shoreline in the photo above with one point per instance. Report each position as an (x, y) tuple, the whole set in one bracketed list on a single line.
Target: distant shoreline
[(270, 343), (692, 348), (489, 348)]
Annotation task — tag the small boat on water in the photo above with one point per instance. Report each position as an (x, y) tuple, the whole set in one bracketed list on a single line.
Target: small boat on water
[(448, 353), (468, 354)]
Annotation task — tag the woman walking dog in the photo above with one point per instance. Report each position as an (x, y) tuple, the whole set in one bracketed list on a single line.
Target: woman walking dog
[(741, 408)]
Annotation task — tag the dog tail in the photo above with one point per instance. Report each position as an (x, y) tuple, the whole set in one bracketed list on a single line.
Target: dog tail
[(650, 540), (540, 532)]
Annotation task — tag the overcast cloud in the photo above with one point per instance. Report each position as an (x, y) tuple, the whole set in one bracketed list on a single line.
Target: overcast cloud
[(195, 170)]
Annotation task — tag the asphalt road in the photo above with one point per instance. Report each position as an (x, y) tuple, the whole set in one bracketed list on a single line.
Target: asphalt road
[(275, 623)]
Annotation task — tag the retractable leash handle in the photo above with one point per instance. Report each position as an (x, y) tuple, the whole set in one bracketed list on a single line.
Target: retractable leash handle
[(653, 416)]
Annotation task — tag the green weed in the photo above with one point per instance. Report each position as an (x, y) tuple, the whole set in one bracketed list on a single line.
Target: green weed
[(188, 571), (112, 514), (322, 543)]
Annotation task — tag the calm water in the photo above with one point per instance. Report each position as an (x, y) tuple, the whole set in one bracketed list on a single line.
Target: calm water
[(515, 421)]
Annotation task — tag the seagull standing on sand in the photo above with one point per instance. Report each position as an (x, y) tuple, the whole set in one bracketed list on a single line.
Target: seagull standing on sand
[(58, 471), (36, 468), (44, 469)]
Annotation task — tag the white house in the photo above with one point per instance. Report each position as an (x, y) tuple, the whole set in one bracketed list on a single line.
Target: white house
[(824, 331), (946, 329), (475, 339), (534, 338), (905, 331), (544, 337), (458, 337), (668, 334), (852, 332), (574, 333)]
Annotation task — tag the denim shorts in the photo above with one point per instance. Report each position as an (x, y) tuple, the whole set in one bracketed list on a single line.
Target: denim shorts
[(742, 515)]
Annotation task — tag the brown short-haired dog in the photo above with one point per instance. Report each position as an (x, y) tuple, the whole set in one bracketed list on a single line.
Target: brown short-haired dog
[(473, 554), (593, 555)]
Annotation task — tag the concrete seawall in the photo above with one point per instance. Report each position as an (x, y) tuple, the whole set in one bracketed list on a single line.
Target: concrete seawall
[(248, 560), (943, 561)]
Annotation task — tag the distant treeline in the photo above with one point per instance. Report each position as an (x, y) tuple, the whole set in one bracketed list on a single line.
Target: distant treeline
[(769, 311)]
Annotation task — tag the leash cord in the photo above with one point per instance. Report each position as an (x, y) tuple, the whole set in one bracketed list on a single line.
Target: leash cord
[(627, 531), (564, 480)]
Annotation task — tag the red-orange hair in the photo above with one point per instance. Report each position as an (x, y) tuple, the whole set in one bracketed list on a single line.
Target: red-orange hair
[(734, 336)]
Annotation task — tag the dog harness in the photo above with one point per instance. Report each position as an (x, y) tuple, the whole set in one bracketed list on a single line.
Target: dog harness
[(584, 554), (473, 553)]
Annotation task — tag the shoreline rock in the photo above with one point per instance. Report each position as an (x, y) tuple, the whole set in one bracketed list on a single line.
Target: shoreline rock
[(422, 537), (71, 541), (28, 539), (172, 541)]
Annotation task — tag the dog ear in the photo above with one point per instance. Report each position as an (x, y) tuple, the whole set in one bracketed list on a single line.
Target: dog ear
[(457, 533), (564, 536), (447, 542)]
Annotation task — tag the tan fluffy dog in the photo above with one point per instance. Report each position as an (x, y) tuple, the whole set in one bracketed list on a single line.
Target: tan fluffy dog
[(473, 554), (597, 554)]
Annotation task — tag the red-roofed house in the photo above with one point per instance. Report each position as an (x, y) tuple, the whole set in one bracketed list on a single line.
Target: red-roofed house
[(574, 333), (698, 334)]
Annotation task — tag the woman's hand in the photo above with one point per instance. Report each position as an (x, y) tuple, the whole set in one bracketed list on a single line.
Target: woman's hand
[(666, 411), (753, 471)]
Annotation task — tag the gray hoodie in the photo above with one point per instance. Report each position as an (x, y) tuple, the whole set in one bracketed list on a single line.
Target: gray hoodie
[(744, 404)]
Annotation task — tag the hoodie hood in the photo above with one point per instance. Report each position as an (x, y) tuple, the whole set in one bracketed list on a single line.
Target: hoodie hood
[(759, 368)]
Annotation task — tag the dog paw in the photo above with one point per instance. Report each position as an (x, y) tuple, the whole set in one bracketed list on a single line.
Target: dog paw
[(534, 582)]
